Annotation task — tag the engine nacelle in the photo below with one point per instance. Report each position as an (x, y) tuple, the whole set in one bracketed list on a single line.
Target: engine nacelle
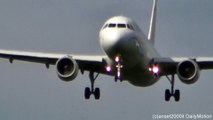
[(188, 71), (67, 69)]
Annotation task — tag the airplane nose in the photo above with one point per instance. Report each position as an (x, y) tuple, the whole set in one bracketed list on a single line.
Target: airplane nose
[(112, 40), (109, 39)]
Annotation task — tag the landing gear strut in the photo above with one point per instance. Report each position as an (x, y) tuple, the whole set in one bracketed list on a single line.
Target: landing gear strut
[(172, 92), (89, 91), (119, 67)]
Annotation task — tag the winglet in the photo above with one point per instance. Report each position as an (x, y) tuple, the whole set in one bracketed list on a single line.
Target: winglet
[(152, 27)]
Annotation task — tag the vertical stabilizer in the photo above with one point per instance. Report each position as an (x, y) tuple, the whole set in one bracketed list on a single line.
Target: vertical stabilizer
[(152, 27)]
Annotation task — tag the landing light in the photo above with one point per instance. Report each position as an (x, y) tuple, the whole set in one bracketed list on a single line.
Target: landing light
[(154, 69), (117, 59), (108, 68)]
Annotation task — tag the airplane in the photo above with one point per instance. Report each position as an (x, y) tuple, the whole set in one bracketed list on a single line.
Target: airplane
[(129, 55)]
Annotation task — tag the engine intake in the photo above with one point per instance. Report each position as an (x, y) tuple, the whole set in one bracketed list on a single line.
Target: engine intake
[(188, 71), (67, 69)]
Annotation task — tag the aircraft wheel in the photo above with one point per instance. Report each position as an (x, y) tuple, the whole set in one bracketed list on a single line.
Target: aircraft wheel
[(87, 93), (97, 93), (177, 95), (167, 95), (116, 78)]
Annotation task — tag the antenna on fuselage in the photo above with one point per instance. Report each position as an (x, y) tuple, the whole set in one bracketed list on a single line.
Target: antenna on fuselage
[(152, 26)]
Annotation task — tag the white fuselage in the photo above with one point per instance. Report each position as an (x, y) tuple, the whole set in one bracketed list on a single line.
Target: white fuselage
[(121, 36)]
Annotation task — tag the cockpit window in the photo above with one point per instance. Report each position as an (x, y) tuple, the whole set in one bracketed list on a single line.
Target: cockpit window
[(112, 25), (105, 26), (121, 25), (118, 25), (130, 27)]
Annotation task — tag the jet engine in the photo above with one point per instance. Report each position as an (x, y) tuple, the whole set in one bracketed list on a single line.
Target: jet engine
[(67, 69), (188, 71)]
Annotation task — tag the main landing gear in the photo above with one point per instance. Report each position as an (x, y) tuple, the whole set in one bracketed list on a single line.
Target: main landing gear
[(172, 92), (89, 91)]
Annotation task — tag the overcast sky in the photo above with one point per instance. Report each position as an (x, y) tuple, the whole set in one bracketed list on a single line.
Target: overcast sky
[(29, 91)]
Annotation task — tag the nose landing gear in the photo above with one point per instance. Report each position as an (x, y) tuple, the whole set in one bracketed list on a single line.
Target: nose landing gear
[(119, 66)]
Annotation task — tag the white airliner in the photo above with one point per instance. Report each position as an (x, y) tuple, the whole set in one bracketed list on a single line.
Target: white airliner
[(129, 55)]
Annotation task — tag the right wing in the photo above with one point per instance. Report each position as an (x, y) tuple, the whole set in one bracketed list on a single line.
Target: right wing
[(85, 62)]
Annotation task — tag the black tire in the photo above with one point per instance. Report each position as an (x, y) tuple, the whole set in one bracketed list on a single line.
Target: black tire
[(167, 95), (97, 93), (116, 78), (177, 95), (87, 93)]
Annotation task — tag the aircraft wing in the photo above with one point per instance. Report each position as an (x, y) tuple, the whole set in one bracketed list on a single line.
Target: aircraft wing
[(85, 62), (168, 66)]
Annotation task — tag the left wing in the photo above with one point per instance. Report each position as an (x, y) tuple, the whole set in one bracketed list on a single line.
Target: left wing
[(168, 66), (85, 62)]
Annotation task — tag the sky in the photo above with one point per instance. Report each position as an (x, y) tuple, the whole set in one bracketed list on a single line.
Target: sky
[(29, 91)]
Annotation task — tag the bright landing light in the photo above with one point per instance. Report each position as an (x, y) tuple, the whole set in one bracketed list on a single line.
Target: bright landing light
[(108, 69), (154, 69), (117, 59)]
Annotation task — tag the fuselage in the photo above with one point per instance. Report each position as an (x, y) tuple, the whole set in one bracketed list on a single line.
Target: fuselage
[(121, 36)]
